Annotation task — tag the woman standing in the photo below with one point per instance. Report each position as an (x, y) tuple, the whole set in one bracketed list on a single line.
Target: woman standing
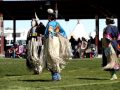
[(32, 60), (56, 48), (109, 45)]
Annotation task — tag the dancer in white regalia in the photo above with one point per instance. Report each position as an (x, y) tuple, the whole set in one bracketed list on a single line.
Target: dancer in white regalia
[(56, 48), (34, 47), (56, 51)]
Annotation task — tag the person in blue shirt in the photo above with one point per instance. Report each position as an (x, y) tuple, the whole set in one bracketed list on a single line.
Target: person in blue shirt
[(53, 26), (56, 46)]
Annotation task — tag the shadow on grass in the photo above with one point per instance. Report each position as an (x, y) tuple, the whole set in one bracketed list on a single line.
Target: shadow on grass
[(91, 78), (36, 80), (12, 75)]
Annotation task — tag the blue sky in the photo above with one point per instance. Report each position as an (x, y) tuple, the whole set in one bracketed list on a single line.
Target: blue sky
[(89, 24)]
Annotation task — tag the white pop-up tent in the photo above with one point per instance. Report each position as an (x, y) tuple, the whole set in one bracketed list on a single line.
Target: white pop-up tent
[(79, 32)]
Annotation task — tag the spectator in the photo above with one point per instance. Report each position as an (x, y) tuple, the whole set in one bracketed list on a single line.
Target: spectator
[(83, 47), (73, 44)]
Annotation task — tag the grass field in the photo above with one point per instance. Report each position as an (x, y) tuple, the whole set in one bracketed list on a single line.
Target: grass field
[(78, 75)]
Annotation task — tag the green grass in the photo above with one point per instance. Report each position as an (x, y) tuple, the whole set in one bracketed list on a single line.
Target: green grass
[(77, 75)]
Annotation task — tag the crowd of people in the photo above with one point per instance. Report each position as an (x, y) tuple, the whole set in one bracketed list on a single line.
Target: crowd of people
[(82, 48), (48, 47), (16, 51)]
